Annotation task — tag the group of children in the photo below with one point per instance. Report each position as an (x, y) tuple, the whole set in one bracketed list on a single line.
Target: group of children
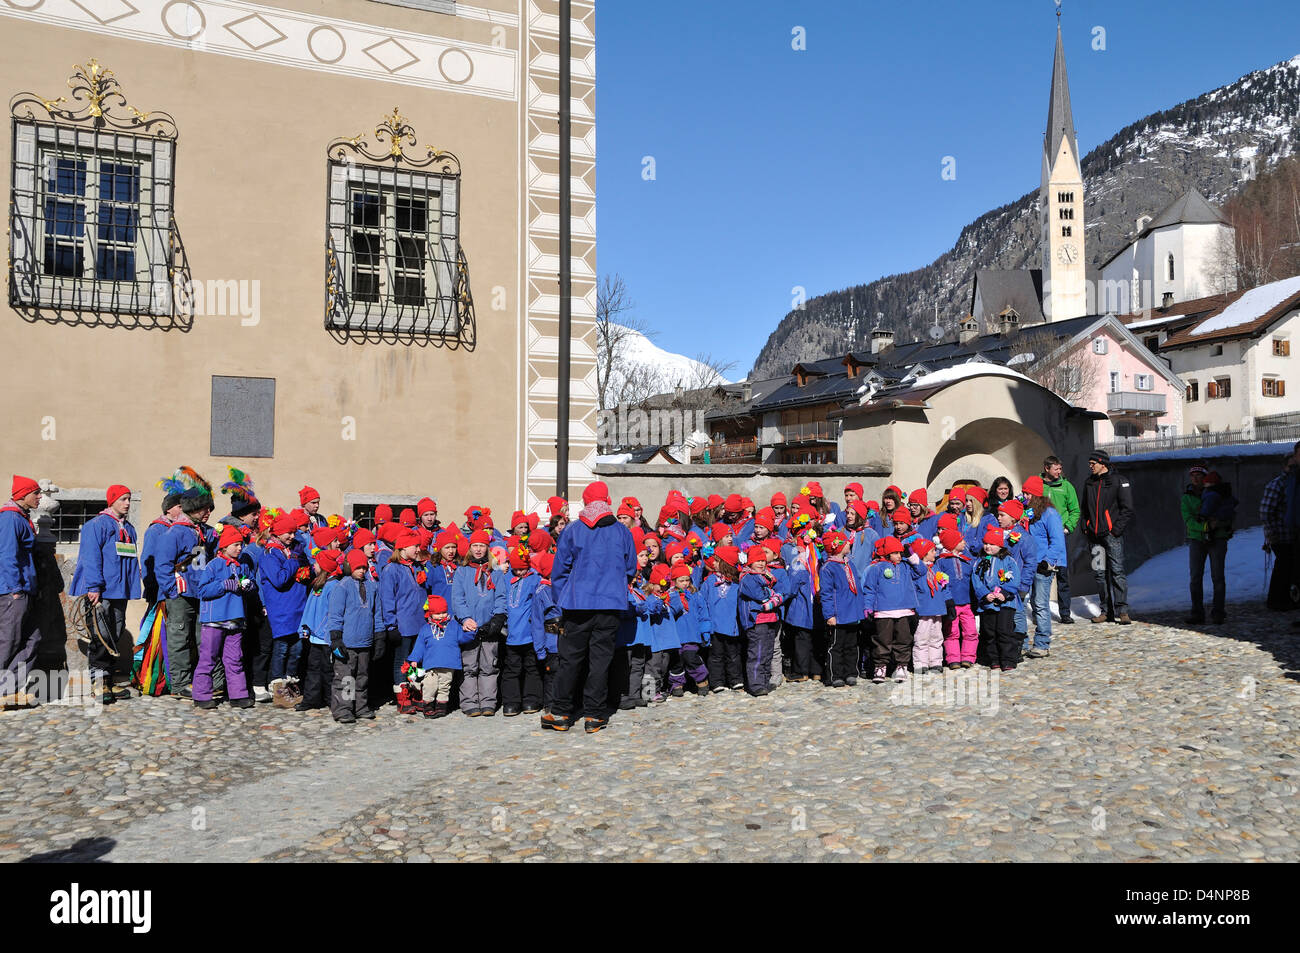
[(726, 596)]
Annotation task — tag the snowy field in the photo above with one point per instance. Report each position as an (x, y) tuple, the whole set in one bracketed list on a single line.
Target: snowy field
[(1160, 583)]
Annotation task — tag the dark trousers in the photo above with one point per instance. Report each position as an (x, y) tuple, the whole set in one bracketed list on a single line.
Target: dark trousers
[(631, 665), (99, 659), (800, 654), (841, 652), (182, 642), (257, 652), (351, 679), (19, 639), (1284, 576), (1198, 550), (998, 636), (1108, 570), (759, 644), (587, 641), (379, 686), (317, 686), (521, 680), (1063, 591), (891, 643), (725, 666), (549, 668)]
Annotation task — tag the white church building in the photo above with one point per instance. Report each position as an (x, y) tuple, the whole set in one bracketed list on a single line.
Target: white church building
[(1188, 251)]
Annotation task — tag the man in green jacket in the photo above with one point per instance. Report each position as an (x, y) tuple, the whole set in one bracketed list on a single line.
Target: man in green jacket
[(1062, 495)]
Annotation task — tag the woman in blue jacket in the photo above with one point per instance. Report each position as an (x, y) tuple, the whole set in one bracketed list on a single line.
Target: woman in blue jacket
[(354, 616), (221, 586), (1049, 537)]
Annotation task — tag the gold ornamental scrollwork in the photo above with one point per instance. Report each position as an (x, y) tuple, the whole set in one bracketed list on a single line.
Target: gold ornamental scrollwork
[(395, 143), (96, 100)]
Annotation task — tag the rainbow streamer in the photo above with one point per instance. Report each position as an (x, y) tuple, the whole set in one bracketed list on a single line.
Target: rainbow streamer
[(149, 664)]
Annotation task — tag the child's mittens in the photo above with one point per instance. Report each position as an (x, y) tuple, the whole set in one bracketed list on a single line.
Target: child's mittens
[(914, 559), (337, 649), (230, 585), (996, 593)]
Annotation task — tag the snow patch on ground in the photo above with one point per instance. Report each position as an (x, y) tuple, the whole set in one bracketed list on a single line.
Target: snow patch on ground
[(1205, 453), (1161, 583)]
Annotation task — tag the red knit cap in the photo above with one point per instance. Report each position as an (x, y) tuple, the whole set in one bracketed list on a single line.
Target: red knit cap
[(328, 560), (873, 505), (979, 493), (435, 605), (919, 496), (390, 531), (323, 536), (715, 500), (921, 547), (631, 501), (659, 575), (115, 493), (483, 522), (720, 531), (230, 534), (638, 535), (518, 558), (957, 493), (993, 537), (678, 571), (757, 552), (733, 503), (426, 505), (1033, 486), (307, 494), (462, 547), (834, 542), (357, 560), (947, 521), (408, 517), (445, 538), (363, 538), (778, 499), (426, 537), (901, 515), (533, 521), (766, 520), (518, 517), (815, 489), (890, 544), (539, 541), (300, 518), (1013, 508), (543, 562), (383, 514), (480, 536), (699, 504), (557, 505), (284, 524), (22, 486), (625, 510), (949, 539), (728, 554), (677, 549), (859, 507), (596, 491), (856, 488)]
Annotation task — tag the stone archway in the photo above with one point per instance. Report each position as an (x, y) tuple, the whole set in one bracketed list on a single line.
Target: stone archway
[(987, 448)]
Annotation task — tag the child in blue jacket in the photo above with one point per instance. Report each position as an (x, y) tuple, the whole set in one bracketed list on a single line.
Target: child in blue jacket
[(521, 679), (355, 616), (687, 609), (665, 648), (478, 604), (961, 633), (721, 601), (436, 657), (889, 596), (320, 666), (843, 609), (403, 583), (996, 587), (1020, 546), (931, 608), (633, 640), (547, 622), (221, 586), (759, 616), (801, 561)]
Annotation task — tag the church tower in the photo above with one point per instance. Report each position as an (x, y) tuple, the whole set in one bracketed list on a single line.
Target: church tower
[(1060, 201)]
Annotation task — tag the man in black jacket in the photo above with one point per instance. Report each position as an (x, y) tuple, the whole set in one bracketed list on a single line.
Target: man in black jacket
[(1107, 515)]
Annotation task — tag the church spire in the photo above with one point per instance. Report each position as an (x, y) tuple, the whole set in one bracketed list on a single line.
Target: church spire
[(1060, 120)]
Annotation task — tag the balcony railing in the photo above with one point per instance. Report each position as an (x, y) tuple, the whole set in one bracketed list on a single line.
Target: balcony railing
[(818, 431), (1270, 433), (1135, 402), (728, 451)]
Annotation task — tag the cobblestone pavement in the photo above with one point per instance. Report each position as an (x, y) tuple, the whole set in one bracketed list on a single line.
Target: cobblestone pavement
[(1147, 742)]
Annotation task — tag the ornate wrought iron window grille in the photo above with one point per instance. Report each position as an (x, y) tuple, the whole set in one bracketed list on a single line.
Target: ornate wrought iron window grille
[(91, 229), (394, 267)]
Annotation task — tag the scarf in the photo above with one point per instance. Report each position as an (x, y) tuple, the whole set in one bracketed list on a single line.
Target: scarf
[(848, 573), (481, 569), (14, 507), (595, 511)]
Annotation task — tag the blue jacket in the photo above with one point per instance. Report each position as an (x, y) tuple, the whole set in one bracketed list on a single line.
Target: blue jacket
[(403, 598), (17, 539), (692, 620), (99, 567), (316, 610), (382, 555), (356, 618), (928, 526), (153, 535), (282, 594), (480, 601), (438, 580), (721, 601), (889, 593), (593, 565), (1025, 554), (841, 593), (663, 628), (930, 603), (207, 584), (439, 647), (520, 592), (754, 591), (959, 568), (545, 610), (741, 532), (863, 543), (985, 579), (177, 543), (1049, 538), (799, 608), (644, 609)]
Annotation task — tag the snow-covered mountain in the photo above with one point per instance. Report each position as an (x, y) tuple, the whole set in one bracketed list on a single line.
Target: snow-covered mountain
[(1213, 143), (656, 370)]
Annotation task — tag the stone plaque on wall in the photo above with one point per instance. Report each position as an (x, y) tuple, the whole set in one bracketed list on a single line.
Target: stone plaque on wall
[(243, 417)]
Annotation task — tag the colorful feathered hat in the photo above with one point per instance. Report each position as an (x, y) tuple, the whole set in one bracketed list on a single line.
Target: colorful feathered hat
[(198, 491), (242, 498), (173, 487)]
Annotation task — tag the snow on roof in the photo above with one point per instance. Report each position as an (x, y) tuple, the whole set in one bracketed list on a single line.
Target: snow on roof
[(1251, 306), (956, 372), (1204, 453), (1139, 325)]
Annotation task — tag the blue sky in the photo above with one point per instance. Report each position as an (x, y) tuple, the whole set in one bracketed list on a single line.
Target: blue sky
[(821, 167)]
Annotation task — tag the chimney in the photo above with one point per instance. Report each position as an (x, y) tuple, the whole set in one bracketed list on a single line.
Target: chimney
[(1167, 300), (881, 340), (746, 391), (1142, 222), (1008, 322), (968, 330)]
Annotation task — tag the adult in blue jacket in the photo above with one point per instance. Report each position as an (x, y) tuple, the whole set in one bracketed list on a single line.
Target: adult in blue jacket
[(108, 575), (1048, 532), (595, 560), (19, 636)]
